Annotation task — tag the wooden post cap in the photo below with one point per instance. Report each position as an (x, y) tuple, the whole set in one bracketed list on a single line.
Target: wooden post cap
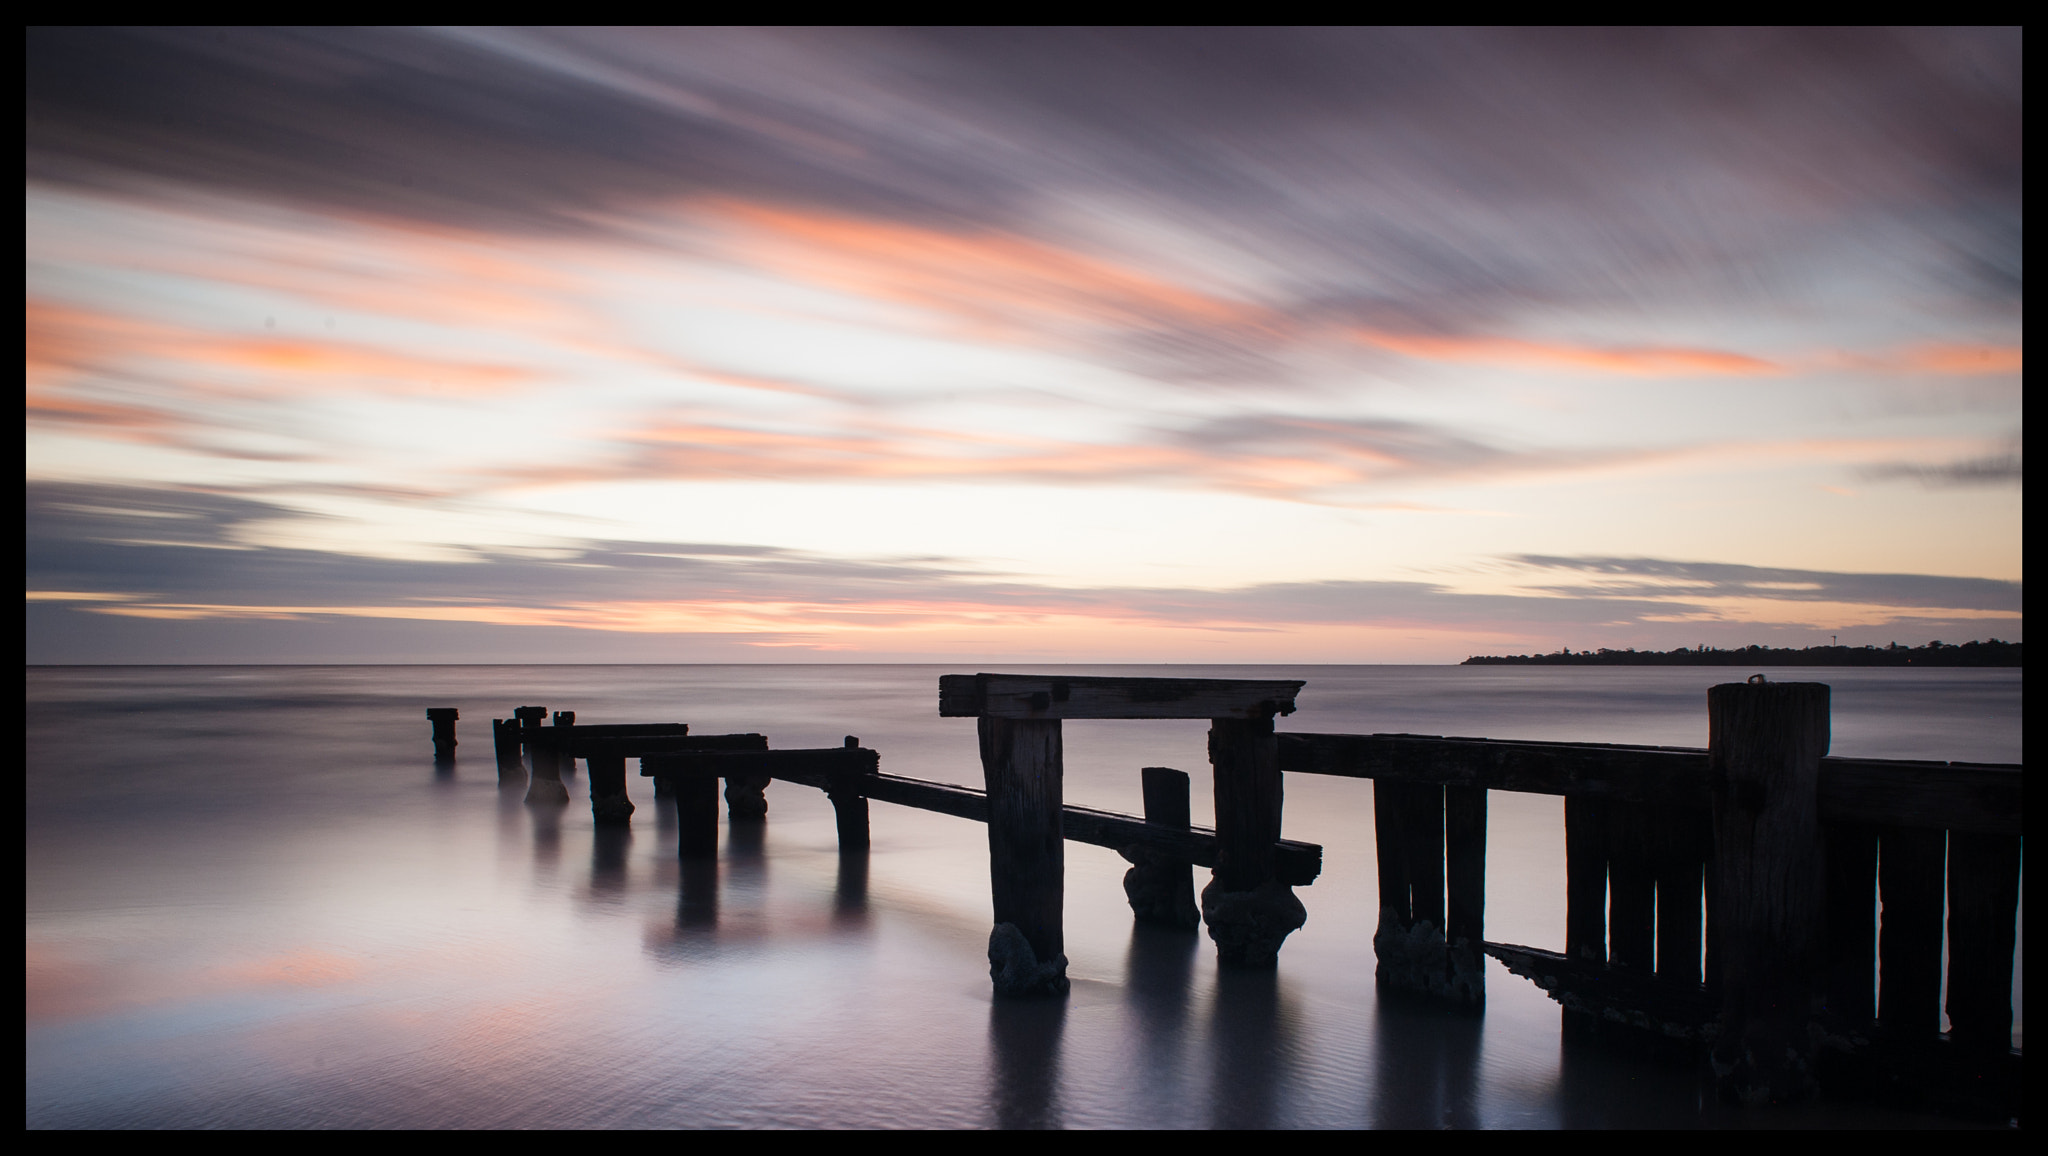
[(439, 713)]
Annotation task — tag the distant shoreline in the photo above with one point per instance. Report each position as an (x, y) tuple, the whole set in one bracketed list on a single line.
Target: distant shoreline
[(1991, 653)]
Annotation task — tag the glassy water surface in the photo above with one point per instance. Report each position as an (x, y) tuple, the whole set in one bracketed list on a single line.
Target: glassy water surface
[(253, 902)]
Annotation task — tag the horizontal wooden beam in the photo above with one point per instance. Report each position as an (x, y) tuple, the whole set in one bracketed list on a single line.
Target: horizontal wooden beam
[(851, 770), (1955, 796), (813, 766), (614, 730), (581, 746), (1037, 696)]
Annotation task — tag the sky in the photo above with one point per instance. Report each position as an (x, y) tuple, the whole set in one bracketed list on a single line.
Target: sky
[(985, 345)]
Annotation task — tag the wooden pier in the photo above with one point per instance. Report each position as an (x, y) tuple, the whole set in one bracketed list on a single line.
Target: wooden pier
[(1759, 852)]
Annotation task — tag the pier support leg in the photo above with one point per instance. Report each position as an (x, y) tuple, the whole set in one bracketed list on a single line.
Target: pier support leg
[(443, 718), (1160, 885), (1465, 886), (696, 795), (1764, 746), (1909, 876), (608, 801), (545, 787), (1021, 763), (1983, 902), (1248, 910), (746, 798), (505, 744)]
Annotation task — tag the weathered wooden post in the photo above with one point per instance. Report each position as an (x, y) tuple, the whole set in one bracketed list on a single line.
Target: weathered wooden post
[(1161, 885), (1764, 746), (1585, 878), (505, 744), (1631, 888), (1851, 941), (443, 718), (850, 808), (695, 791), (546, 784), (1250, 912), (1681, 835), (1022, 767), (608, 801), (1465, 886), (564, 759), (746, 797)]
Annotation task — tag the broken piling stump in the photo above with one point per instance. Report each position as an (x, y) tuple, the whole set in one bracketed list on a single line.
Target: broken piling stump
[(443, 719), (1161, 883)]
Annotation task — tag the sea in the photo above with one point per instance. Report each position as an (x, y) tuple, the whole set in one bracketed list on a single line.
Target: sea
[(254, 901)]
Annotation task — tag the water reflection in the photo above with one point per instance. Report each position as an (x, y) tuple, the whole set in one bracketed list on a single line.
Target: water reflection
[(1024, 1061), (1252, 1048), (696, 898), (1159, 973), (609, 845), (850, 892), (1428, 1065)]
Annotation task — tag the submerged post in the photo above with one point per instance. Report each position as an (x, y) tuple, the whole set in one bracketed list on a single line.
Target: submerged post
[(1764, 746), (1161, 884), (546, 784), (443, 718), (1022, 767), (850, 807), (608, 801), (1250, 912)]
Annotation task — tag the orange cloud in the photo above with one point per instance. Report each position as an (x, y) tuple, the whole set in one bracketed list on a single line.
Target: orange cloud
[(1634, 360), (990, 279), (1959, 360)]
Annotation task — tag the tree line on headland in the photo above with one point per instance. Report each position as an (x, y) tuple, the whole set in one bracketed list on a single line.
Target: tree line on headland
[(1991, 653)]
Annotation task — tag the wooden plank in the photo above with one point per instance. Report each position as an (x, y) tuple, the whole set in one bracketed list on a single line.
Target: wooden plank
[(1851, 857), (812, 765), (641, 746), (1036, 696), (1390, 838), (1465, 864), (1585, 877), (1679, 847), (1631, 887), (1909, 880), (1982, 797), (616, 730), (1766, 741), (1983, 903)]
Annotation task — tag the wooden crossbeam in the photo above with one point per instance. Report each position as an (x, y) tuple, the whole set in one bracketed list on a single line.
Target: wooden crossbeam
[(1982, 797), (852, 770), (1034, 696)]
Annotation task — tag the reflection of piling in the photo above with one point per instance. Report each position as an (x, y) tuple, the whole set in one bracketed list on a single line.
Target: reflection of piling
[(443, 718)]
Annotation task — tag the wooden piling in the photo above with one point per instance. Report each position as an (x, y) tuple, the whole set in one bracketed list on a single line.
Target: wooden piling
[(1022, 765), (1250, 912), (1585, 878), (505, 744), (1851, 855), (1161, 884), (545, 785), (608, 801), (696, 798), (746, 798), (1465, 885), (1983, 902), (1765, 743), (564, 761), (1909, 880), (850, 809), (443, 719)]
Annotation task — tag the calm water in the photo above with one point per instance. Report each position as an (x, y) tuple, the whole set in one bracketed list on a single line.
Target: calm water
[(253, 903)]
